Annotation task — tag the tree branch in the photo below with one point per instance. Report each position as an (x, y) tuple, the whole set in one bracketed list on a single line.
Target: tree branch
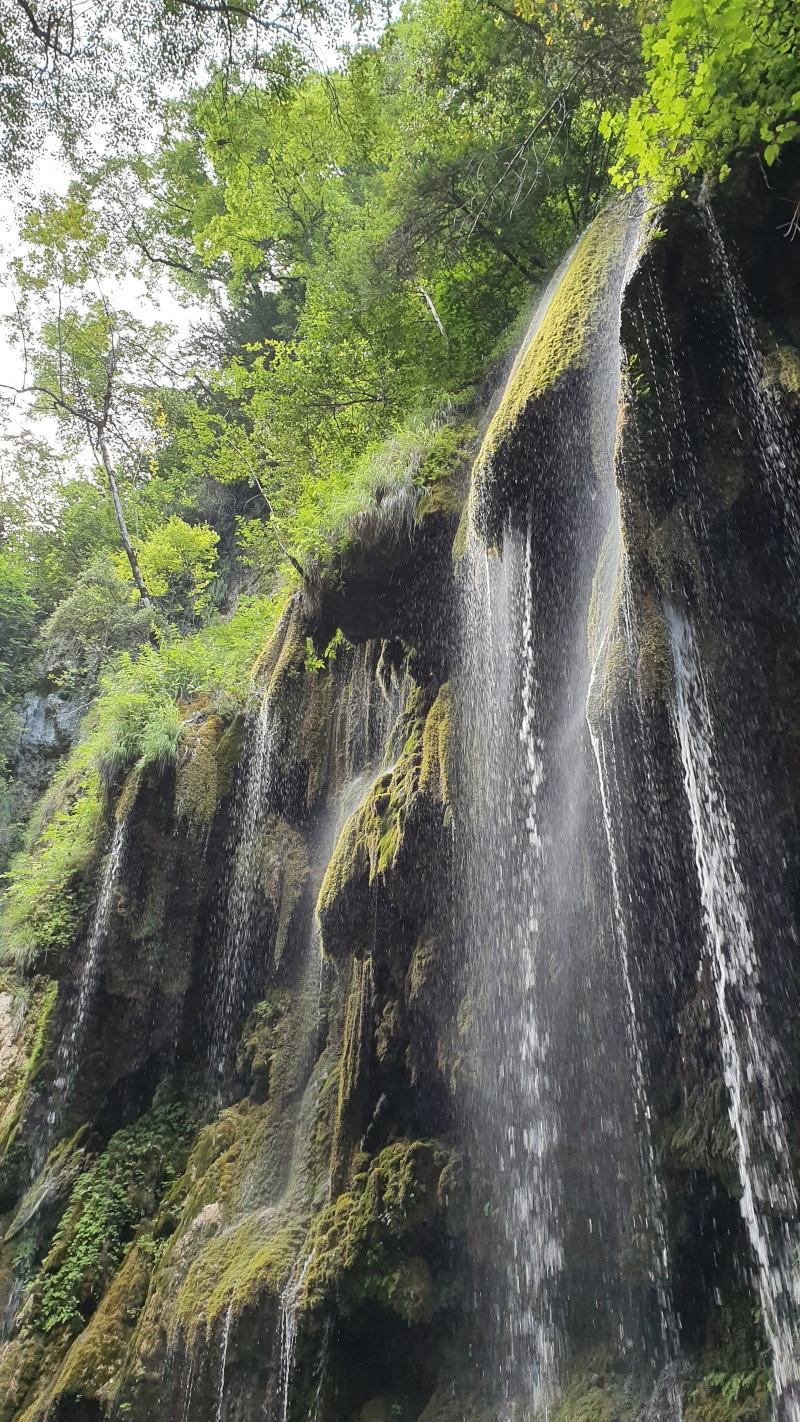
[(428, 299)]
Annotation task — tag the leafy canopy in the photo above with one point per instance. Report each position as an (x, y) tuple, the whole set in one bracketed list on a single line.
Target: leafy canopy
[(722, 77)]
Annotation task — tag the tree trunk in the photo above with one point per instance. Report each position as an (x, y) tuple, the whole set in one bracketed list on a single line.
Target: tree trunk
[(123, 527)]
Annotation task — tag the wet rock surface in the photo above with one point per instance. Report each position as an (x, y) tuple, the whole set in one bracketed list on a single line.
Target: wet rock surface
[(410, 1093)]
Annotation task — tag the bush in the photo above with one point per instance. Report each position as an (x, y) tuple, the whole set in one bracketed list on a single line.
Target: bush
[(97, 620), (134, 722), (108, 1202), (177, 563)]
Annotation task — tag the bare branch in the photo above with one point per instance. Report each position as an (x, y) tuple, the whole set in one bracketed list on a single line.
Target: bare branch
[(428, 299)]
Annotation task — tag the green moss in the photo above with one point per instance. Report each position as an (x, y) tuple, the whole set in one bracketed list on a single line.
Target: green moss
[(282, 871), (364, 1244), (674, 554), (700, 1136), (372, 839), (437, 748), (463, 532), (288, 631), (353, 1067), (607, 638), (20, 1366), (561, 345), (93, 1365), (627, 637), (316, 730), (54, 1181), (654, 667), (260, 1042), (236, 1270), (117, 1191), (34, 1042), (238, 1216), (229, 752), (196, 781), (598, 1391), (444, 471)]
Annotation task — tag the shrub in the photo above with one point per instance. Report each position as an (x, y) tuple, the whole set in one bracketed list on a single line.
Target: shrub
[(134, 722), (109, 1201)]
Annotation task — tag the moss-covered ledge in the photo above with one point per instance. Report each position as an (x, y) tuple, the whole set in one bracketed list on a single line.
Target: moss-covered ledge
[(552, 371)]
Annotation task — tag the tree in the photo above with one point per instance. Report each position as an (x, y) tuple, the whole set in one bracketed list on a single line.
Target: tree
[(721, 77), (104, 67), (84, 362)]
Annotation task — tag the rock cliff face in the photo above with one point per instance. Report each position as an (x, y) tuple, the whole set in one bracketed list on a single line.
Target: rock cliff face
[(425, 1047)]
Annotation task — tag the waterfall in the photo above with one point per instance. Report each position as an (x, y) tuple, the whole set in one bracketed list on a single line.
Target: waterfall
[(774, 446), (71, 1042), (654, 1193), (533, 930), (243, 846), (769, 1201), (532, 1221), (502, 868), (226, 1333), (290, 1298)]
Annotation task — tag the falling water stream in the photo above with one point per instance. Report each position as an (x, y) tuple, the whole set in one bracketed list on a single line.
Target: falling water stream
[(290, 1298), (565, 1124), (251, 810), (68, 1054), (769, 1202)]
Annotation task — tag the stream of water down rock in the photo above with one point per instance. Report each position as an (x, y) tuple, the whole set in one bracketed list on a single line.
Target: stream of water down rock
[(480, 986)]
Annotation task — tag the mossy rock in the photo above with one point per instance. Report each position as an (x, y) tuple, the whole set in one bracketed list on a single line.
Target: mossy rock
[(436, 772), (444, 473), (364, 1243), (93, 1365), (110, 1197), (25, 1055), (237, 1270), (600, 1389), (627, 636), (556, 357), (20, 1368), (196, 780), (374, 837)]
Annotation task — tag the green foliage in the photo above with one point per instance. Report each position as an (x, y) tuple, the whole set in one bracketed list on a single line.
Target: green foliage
[(721, 77), (17, 610), (97, 620), (78, 526), (177, 562), (109, 1200), (397, 214), (135, 722), (65, 71), (47, 894)]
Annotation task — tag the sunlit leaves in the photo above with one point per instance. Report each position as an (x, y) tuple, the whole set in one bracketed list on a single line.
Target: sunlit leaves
[(722, 76)]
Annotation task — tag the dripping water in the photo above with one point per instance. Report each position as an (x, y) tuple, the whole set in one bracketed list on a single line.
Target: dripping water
[(532, 1222), (290, 1298), (72, 1040), (774, 446), (243, 846), (226, 1331), (769, 1201), (654, 1193)]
